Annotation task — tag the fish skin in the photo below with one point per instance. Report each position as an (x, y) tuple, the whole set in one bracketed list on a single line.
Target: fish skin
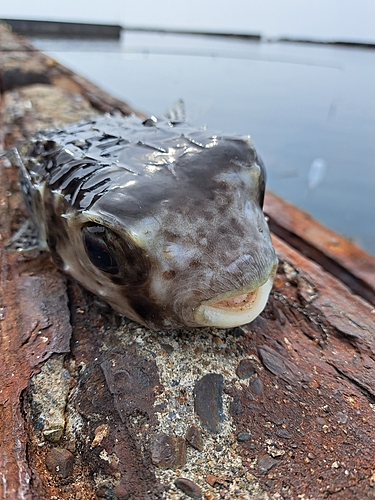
[(182, 208)]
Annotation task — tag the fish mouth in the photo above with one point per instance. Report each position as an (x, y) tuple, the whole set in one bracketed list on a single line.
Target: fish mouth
[(236, 310)]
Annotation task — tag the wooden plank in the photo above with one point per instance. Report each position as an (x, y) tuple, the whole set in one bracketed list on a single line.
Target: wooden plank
[(34, 323), (314, 415), (339, 256)]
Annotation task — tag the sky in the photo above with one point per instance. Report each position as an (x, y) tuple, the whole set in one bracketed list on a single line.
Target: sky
[(318, 19)]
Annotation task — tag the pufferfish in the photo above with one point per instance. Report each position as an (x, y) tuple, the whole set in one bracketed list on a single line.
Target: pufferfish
[(162, 220)]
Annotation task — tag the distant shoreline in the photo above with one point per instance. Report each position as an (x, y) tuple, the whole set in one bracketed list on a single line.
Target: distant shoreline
[(59, 29)]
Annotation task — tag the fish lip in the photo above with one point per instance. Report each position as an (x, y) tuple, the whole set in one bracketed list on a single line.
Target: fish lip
[(236, 310)]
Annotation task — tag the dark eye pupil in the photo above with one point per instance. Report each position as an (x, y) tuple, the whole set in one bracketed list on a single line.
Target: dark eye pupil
[(98, 250)]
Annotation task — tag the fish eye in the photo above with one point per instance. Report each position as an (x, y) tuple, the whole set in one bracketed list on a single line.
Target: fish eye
[(99, 248)]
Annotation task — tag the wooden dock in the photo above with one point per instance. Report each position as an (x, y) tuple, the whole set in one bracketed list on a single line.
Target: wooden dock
[(94, 406)]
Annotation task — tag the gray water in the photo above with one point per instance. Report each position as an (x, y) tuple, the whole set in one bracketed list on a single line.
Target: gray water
[(309, 109)]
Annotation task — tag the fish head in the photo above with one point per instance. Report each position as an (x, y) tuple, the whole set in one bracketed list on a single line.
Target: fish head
[(185, 244)]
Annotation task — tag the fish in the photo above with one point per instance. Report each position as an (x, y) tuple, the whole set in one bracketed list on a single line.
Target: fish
[(161, 220)]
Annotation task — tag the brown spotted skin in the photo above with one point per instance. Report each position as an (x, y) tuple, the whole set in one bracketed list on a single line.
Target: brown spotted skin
[(182, 208)]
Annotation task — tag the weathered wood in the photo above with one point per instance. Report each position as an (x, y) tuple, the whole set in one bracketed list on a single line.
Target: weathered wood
[(336, 254), (95, 406), (34, 323), (317, 345), (21, 64)]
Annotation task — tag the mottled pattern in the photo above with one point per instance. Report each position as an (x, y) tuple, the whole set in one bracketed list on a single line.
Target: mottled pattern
[(182, 209)]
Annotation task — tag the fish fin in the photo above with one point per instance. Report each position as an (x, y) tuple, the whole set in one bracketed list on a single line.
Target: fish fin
[(26, 183), (30, 187), (25, 240), (177, 112), (13, 156)]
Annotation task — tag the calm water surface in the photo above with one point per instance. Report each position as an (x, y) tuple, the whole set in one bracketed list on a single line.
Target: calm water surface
[(309, 109)]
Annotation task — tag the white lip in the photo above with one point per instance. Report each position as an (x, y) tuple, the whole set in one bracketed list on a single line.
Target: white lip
[(235, 311)]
